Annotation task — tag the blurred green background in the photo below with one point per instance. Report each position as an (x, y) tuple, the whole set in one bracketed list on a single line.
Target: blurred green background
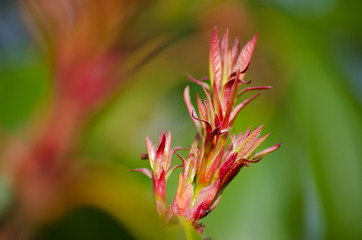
[(309, 51)]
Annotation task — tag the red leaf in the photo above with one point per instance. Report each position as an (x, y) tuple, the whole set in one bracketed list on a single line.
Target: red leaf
[(245, 54), (234, 170), (266, 151), (249, 142), (233, 55), (215, 164), (207, 195), (256, 144), (241, 138), (217, 103), (225, 55), (225, 167), (151, 151), (195, 212), (230, 101), (159, 185), (215, 60), (253, 88)]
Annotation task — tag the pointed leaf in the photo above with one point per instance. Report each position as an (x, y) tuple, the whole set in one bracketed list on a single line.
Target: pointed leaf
[(225, 55), (253, 88), (217, 103), (202, 109), (215, 164), (210, 107), (266, 151), (145, 171), (230, 101), (214, 204), (256, 144), (241, 137), (234, 170), (185, 198), (167, 156), (151, 151), (245, 54), (225, 167), (215, 60), (195, 212), (233, 56), (159, 185), (249, 142)]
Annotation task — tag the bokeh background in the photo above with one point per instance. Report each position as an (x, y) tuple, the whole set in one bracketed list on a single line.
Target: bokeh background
[(309, 51)]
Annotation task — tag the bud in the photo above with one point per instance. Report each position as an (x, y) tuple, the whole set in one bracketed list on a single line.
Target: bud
[(212, 163)]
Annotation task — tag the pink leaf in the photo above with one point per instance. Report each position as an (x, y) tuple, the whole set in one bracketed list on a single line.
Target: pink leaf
[(266, 151), (215, 60), (167, 151), (180, 187), (249, 142), (151, 151), (217, 103), (230, 101), (210, 106), (145, 171), (245, 54), (241, 137), (185, 198), (202, 109), (233, 55), (256, 144), (224, 52), (253, 88)]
